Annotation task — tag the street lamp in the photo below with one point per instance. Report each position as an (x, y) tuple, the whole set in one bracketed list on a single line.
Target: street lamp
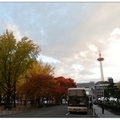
[(93, 102)]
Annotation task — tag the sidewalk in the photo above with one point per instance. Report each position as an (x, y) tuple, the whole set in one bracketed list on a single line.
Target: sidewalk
[(107, 114), (13, 111), (7, 112)]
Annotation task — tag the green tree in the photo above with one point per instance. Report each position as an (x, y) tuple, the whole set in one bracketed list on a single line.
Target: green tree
[(41, 68), (16, 57), (112, 91), (118, 86)]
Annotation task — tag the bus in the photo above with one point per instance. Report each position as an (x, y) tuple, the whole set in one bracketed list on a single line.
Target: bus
[(77, 100)]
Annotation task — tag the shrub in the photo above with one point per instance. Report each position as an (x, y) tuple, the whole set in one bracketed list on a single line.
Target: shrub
[(112, 107)]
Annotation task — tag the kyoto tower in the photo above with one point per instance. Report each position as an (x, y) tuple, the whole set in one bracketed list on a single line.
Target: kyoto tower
[(100, 59)]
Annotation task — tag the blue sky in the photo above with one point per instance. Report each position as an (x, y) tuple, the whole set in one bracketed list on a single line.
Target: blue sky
[(70, 35)]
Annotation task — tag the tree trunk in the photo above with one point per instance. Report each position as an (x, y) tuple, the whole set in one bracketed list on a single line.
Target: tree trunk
[(7, 106), (14, 95), (0, 98)]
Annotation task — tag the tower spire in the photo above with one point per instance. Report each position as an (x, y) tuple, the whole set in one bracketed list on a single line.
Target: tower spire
[(99, 53)]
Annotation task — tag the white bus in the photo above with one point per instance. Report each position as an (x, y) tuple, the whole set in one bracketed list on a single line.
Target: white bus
[(77, 100)]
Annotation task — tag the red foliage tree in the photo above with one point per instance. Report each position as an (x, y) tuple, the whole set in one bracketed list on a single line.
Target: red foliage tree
[(61, 90), (39, 86)]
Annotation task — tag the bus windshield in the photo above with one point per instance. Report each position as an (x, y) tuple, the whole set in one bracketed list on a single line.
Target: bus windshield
[(77, 101), (76, 93)]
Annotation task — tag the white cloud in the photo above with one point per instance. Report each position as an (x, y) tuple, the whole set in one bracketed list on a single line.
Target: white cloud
[(48, 59), (70, 35), (77, 67), (83, 53), (93, 48), (15, 30), (115, 32)]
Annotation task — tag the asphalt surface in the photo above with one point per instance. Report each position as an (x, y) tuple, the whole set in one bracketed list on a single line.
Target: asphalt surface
[(59, 111)]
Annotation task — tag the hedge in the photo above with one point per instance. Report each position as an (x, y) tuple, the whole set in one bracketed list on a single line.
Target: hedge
[(112, 107)]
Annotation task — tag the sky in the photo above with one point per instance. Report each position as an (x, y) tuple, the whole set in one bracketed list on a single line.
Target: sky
[(70, 35)]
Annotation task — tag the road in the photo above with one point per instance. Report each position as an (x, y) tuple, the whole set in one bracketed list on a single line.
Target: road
[(48, 112)]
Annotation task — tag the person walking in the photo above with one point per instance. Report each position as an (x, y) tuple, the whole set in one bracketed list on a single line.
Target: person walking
[(90, 104), (102, 106)]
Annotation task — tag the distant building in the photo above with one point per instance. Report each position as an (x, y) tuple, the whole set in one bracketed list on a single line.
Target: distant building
[(110, 79), (99, 88), (86, 85)]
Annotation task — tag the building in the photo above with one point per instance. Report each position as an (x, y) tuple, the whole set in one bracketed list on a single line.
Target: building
[(96, 90), (88, 87), (100, 86)]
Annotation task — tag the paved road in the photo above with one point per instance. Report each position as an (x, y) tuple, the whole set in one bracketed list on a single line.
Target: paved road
[(48, 112), (60, 112)]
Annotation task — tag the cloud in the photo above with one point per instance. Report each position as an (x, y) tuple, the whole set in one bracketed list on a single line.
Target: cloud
[(15, 30), (70, 35), (47, 59)]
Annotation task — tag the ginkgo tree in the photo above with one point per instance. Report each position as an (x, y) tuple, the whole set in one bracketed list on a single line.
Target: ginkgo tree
[(41, 68), (16, 57)]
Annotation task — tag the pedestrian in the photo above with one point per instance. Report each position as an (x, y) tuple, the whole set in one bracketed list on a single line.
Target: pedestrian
[(90, 104), (102, 108)]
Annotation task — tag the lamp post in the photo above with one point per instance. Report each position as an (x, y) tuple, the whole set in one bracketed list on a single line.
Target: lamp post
[(93, 109), (103, 89)]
